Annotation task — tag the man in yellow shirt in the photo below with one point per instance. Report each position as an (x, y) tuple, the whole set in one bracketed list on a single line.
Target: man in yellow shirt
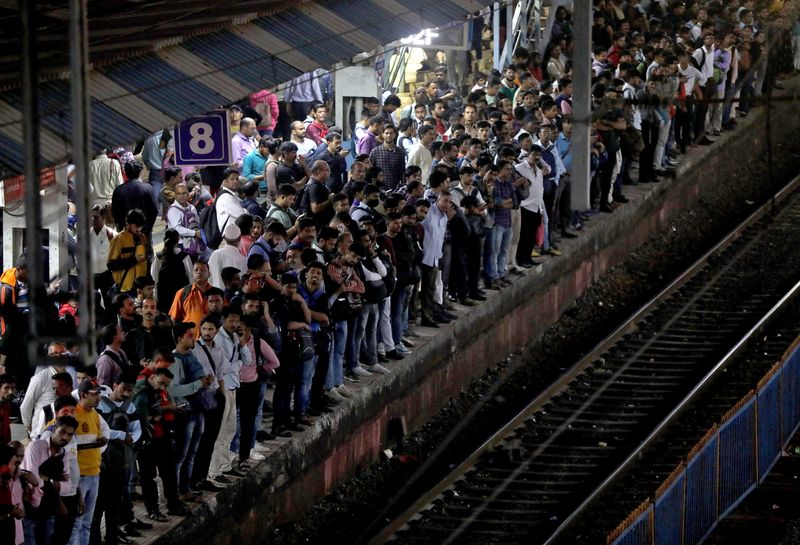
[(91, 436), (127, 253)]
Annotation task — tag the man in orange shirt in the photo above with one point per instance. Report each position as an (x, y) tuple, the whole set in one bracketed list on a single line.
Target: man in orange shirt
[(190, 304)]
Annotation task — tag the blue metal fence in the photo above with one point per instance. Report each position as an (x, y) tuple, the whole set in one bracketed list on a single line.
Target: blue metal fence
[(701, 492), (790, 398), (737, 457), (725, 466), (769, 424), (668, 512), (640, 531)]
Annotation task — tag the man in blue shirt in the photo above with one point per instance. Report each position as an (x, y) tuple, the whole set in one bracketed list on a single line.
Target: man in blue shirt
[(255, 161)]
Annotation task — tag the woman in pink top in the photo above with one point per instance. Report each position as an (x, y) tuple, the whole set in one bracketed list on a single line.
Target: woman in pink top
[(266, 105)]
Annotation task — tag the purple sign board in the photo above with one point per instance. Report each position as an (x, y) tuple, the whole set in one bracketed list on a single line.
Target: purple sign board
[(203, 140)]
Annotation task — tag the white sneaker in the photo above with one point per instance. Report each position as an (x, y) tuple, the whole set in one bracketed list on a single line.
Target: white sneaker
[(400, 349), (344, 392), (361, 372), (256, 457), (263, 447), (408, 342), (378, 368), (334, 394)]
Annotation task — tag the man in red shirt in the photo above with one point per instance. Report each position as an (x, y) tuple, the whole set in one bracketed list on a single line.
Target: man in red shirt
[(317, 130), (8, 388)]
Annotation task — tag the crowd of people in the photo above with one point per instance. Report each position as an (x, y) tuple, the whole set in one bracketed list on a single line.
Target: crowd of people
[(307, 267)]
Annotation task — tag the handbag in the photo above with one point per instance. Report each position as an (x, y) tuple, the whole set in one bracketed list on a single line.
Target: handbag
[(345, 307), (375, 291)]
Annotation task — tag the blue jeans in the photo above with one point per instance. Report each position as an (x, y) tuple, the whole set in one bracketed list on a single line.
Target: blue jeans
[(501, 238), (335, 375), (188, 430), (156, 181), (83, 523), (488, 245), (305, 374), (262, 394), (38, 531), (400, 297), (366, 330)]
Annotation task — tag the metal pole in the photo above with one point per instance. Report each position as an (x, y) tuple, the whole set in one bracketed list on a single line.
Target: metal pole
[(81, 138), (508, 49), (498, 62), (581, 105), (33, 201)]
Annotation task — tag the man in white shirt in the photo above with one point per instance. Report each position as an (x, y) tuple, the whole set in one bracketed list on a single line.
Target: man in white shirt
[(533, 169), (100, 236), (304, 145), (105, 174), (40, 392), (420, 154), (236, 355), (229, 207), (228, 255), (704, 57)]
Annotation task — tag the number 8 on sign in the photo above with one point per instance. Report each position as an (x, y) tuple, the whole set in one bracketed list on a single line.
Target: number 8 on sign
[(201, 142)]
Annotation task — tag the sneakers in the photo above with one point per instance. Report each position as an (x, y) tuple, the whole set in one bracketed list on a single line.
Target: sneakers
[(344, 392), (378, 368), (393, 355), (234, 472), (552, 251), (407, 343), (256, 457), (504, 281), (349, 376), (361, 372), (334, 394), (402, 350)]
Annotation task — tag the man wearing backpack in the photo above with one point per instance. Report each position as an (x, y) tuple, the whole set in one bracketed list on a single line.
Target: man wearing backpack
[(703, 60), (182, 216), (227, 205), (112, 362)]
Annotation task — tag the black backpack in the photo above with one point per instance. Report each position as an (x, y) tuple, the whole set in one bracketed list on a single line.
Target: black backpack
[(212, 232)]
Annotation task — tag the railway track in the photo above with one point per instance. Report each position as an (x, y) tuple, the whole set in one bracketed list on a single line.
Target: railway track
[(543, 469)]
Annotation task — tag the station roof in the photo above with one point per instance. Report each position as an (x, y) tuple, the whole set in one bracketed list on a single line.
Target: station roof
[(155, 62)]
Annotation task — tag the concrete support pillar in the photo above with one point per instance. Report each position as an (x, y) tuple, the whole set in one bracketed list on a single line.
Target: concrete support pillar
[(581, 104)]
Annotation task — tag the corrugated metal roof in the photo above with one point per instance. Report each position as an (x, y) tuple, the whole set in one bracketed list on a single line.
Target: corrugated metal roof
[(239, 60), (135, 96)]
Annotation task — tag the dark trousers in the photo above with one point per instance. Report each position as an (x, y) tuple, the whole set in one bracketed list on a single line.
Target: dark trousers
[(158, 456), (473, 250), (605, 173), (427, 291), (457, 281), (565, 202), (683, 127), (322, 341), (109, 502), (529, 225), (213, 422), (700, 112), (284, 385), (650, 137), (247, 400), (62, 531), (549, 205)]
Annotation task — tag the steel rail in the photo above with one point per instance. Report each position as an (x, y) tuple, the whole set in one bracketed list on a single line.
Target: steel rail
[(563, 382)]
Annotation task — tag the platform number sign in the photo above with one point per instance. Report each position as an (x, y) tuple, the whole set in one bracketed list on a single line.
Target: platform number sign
[(203, 141)]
